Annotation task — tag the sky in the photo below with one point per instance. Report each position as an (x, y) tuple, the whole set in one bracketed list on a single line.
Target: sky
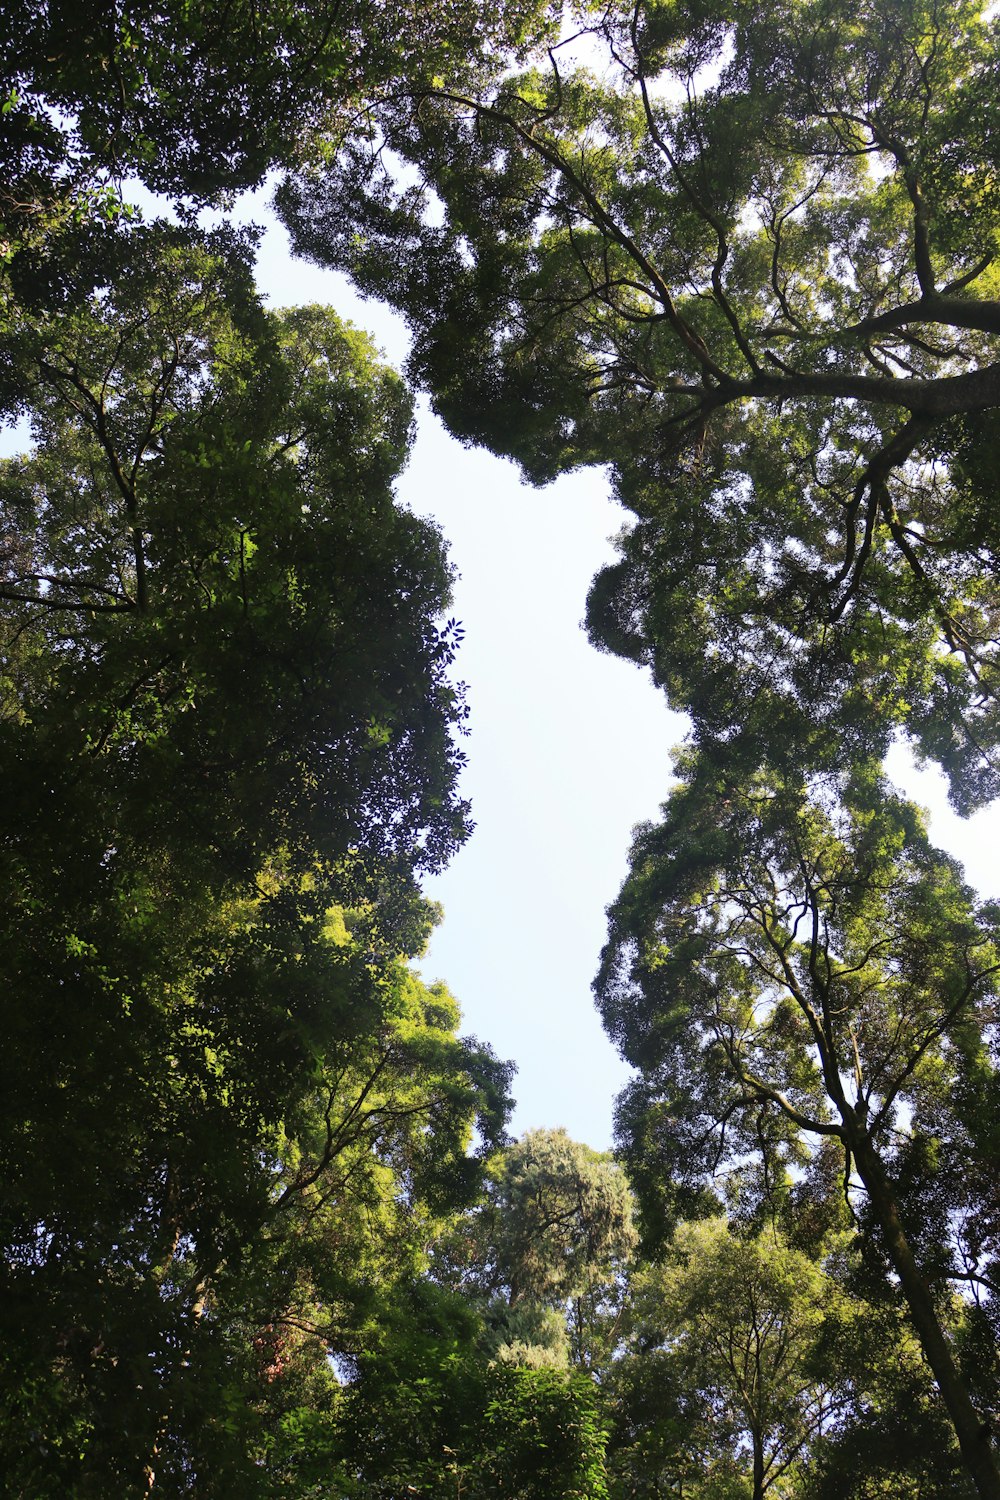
[(568, 748)]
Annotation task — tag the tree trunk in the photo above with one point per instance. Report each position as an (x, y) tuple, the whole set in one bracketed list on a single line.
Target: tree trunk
[(972, 1432), (758, 1464)]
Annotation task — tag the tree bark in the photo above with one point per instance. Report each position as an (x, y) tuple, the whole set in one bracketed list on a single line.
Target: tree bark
[(972, 1431), (941, 396), (758, 1464)]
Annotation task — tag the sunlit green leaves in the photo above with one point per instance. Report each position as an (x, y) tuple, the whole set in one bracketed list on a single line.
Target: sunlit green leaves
[(745, 261), (228, 1101)]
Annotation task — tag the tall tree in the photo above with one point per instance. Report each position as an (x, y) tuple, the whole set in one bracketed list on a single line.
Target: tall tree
[(228, 742), (432, 1415), (482, 1380), (890, 1436), (195, 103), (550, 1246), (748, 262), (720, 1383), (202, 103), (791, 963)]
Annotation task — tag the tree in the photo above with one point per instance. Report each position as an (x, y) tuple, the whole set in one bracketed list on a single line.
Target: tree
[(890, 1436), (742, 262), (720, 1374), (227, 736), (794, 962), (432, 1416), (747, 261), (197, 104), (366, 1169), (550, 1248), (481, 1381), (202, 104), (210, 507)]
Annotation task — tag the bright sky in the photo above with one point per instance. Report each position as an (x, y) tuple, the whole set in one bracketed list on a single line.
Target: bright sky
[(568, 749)]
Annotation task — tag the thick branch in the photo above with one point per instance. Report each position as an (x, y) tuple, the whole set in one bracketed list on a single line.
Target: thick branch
[(934, 307)]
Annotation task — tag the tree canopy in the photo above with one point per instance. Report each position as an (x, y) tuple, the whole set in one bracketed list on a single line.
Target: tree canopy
[(788, 964), (746, 260), (262, 1232), (228, 739), (722, 1355)]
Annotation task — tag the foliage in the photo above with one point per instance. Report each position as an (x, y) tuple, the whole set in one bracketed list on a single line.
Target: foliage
[(429, 1414), (747, 260), (549, 1248), (202, 101), (719, 1390), (473, 1384), (748, 263), (791, 962), (227, 738), (892, 1436), (192, 102), (209, 505)]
